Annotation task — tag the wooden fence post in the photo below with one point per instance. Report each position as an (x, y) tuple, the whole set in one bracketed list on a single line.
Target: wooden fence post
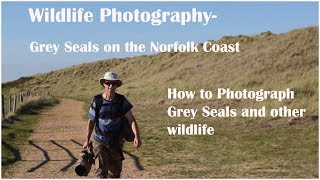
[(14, 103), (18, 99), (22, 96), (2, 106), (10, 103)]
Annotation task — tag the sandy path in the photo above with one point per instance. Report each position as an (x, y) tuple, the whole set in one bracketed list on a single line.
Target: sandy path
[(53, 148)]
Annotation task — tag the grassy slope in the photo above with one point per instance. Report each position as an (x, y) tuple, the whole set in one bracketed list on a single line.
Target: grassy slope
[(254, 147), (239, 149), (266, 61)]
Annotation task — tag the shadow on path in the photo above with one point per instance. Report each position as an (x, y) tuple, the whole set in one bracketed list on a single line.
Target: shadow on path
[(74, 159), (16, 154), (45, 154), (76, 142), (136, 160)]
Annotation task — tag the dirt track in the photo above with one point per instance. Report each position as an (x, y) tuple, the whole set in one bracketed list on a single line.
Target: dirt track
[(53, 148)]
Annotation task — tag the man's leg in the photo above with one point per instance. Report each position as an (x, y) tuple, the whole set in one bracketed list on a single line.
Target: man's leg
[(101, 160), (115, 161), (115, 168)]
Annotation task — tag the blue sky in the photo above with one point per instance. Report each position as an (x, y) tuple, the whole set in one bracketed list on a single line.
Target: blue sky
[(234, 18)]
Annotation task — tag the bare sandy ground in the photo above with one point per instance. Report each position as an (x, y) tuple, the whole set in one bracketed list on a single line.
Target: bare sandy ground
[(54, 147)]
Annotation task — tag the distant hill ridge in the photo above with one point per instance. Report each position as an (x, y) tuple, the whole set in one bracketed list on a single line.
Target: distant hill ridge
[(267, 61)]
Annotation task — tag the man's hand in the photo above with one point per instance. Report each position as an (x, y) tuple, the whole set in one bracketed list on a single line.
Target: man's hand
[(88, 146), (85, 145), (136, 142), (90, 127), (135, 130)]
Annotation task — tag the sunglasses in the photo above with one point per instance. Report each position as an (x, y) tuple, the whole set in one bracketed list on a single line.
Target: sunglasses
[(108, 83)]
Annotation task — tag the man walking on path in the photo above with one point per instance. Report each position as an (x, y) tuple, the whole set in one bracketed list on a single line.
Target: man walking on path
[(108, 116)]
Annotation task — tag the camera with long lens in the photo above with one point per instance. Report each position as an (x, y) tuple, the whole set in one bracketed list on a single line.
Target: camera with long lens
[(86, 159)]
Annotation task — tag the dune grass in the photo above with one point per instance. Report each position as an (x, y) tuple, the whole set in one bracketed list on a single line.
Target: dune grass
[(241, 147), (267, 61), (263, 148)]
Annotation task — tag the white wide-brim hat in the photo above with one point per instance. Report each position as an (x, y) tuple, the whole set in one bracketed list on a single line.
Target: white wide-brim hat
[(110, 76)]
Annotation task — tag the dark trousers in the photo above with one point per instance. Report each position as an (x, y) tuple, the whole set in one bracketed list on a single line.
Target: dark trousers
[(108, 158)]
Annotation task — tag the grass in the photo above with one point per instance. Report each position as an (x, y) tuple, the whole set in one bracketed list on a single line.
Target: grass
[(19, 127), (287, 59), (242, 147), (238, 149)]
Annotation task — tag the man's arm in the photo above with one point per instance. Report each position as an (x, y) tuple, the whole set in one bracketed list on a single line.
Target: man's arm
[(90, 127), (135, 129)]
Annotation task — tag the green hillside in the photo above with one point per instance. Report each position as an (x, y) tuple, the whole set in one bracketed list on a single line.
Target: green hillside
[(241, 147), (266, 61)]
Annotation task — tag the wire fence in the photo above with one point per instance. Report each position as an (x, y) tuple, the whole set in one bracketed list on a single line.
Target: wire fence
[(11, 102)]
